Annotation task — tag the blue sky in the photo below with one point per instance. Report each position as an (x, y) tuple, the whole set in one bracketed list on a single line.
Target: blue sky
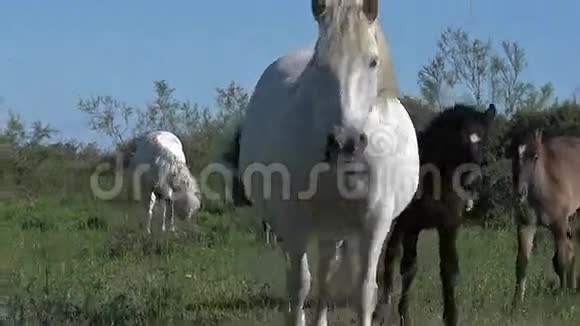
[(54, 52)]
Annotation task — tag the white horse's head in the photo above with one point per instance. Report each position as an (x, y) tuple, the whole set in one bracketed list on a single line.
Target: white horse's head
[(346, 65), (187, 205), (187, 194)]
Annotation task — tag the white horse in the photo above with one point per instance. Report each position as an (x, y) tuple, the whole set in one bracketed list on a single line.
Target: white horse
[(337, 152), (158, 172)]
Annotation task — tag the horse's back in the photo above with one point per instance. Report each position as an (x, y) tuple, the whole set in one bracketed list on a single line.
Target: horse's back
[(563, 155), (564, 159), (277, 81), (158, 144), (154, 152), (169, 142), (270, 104)]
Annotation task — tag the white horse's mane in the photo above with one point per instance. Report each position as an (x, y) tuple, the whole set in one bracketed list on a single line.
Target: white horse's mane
[(348, 19), (177, 172), (343, 22)]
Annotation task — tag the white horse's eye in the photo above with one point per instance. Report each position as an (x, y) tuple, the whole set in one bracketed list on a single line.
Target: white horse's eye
[(374, 63)]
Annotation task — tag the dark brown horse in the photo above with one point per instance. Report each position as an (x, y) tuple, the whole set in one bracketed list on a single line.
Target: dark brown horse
[(545, 174), (451, 141)]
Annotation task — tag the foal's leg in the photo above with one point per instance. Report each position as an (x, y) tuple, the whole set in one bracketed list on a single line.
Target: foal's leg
[(327, 263), (163, 214), (392, 257), (572, 260), (563, 256), (170, 204), (150, 207), (449, 269), (371, 243), (526, 235), (408, 273), (297, 283)]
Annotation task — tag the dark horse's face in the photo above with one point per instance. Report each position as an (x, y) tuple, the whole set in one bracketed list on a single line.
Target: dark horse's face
[(470, 143), (524, 162), (473, 135)]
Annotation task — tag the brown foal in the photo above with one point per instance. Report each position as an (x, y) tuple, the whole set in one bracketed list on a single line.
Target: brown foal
[(545, 175)]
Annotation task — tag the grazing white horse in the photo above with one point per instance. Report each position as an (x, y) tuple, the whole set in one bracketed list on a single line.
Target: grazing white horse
[(159, 173), (328, 153)]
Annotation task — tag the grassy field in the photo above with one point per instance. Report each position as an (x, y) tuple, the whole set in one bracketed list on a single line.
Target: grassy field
[(76, 261)]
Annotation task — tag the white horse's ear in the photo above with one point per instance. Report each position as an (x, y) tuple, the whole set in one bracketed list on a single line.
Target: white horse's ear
[(371, 9), (318, 8)]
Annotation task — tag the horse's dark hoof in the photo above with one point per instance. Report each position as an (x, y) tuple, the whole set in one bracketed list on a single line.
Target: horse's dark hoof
[(514, 309), (449, 321), (406, 321), (378, 316)]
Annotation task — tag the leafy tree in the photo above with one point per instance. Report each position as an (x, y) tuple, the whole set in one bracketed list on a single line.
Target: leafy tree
[(231, 102), (507, 87), (167, 113), (108, 116), (576, 94), (538, 99), (24, 149), (433, 80), (40, 132), (420, 112), (468, 59), (16, 134)]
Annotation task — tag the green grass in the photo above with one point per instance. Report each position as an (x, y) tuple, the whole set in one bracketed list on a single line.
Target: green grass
[(76, 261)]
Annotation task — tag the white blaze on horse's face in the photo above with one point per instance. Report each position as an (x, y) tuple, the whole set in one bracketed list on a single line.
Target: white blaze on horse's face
[(474, 138), (521, 150), (347, 53)]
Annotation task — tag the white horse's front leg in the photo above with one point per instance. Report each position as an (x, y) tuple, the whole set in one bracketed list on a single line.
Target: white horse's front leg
[(151, 206), (163, 214), (170, 203), (370, 245), (298, 285), (328, 261)]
